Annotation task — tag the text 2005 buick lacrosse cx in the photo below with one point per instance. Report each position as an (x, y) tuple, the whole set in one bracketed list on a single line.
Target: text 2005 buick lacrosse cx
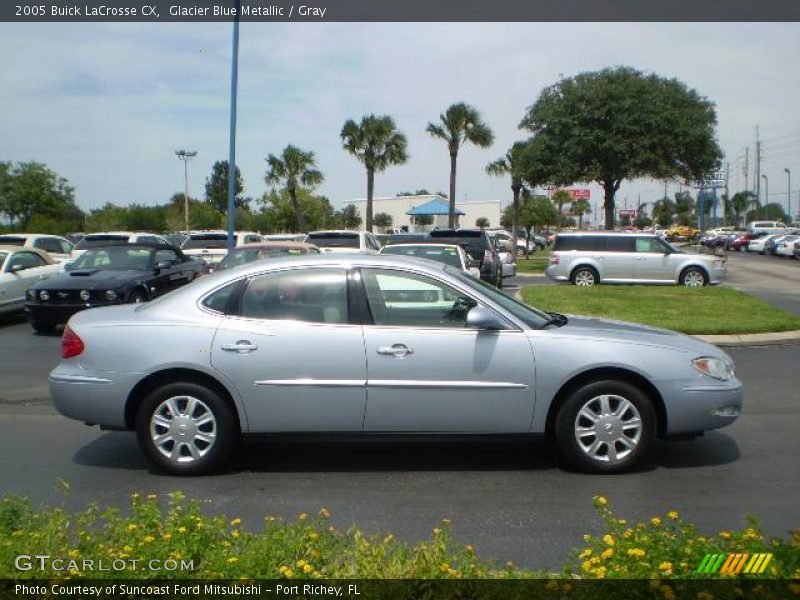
[(380, 345)]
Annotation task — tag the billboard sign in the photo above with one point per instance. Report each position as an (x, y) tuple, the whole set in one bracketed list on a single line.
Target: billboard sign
[(713, 180), (627, 213)]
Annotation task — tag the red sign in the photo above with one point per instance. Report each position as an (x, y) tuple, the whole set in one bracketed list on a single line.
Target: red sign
[(580, 194), (627, 213)]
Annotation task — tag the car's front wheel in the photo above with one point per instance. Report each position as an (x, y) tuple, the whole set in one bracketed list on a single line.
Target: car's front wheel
[(186, 428), (694, 277), (605, 426)]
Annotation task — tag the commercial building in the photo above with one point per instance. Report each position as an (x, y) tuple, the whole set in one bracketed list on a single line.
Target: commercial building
[(410, 212)]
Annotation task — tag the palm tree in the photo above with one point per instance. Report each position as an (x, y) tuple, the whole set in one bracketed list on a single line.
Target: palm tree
[(461, 123), (742, 202), (560, 198), (512, 164), (580, 207), (377, 144), (294, 167)]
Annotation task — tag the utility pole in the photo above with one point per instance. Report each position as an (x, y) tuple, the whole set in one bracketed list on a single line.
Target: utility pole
[(185, 156), (789, 192), (757, 182), (766, 193), (746, 168), (232, 134)]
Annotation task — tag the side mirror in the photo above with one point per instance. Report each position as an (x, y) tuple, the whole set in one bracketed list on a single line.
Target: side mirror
[(164, 264), (472, 263), (480, 317)]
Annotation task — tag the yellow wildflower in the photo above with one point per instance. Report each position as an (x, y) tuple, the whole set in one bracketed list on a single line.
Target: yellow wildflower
[(127, 549), (233, 559), (586, 553), (666, 568), (288, 573), (586, 566), (725, 535), (627, 533), (470, 548), (324, 513), (132, 527), (673, 514), (622, 521), (167, 537), (151, 496), (73, 554), (436, 531), (607, 554), (609, 539), (307, 568), (147, 539), (599, 572), (601, 501), (302, 517), (300, 563), (313, 536), (446, 522), (235, 533), (236, 522), (636, 552), (655, 521), (181, 529)]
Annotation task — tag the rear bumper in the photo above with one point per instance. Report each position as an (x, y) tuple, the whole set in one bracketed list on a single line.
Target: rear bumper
[(94, 398), (555, 273)]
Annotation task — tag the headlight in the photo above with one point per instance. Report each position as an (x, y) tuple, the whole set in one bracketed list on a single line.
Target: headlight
[(111, 295), (44, 295), (713, 367), (85, 295)]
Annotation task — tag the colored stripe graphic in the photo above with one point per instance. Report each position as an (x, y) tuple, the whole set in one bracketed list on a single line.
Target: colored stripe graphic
[(734, 563)]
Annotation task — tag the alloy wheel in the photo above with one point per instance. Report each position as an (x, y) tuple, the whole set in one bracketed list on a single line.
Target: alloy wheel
[(183, 429), (693, 279), (608, 428), (584, 277)]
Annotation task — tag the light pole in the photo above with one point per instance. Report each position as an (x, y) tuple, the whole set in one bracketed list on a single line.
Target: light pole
[(766, 193), (185, 155), (232, 135), (789, 192)]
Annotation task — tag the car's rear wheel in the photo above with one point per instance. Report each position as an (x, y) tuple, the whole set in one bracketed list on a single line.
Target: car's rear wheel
[(694, 277), (43, 328), (186, 428), (585, 277), (605, 426)]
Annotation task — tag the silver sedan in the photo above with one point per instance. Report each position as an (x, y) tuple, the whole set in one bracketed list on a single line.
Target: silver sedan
[(380, 345)]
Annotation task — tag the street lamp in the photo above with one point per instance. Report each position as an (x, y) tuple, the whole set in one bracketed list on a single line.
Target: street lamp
[(766, 193), (185, 156), (789, 191)]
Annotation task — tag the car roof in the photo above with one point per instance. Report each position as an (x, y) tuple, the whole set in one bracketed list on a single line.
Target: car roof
[(611, 233), (423, 244), (326, 231), (142, 245), (41, 253), (277, 244)]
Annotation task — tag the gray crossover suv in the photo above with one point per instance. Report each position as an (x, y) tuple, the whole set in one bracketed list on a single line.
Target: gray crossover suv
[(380, 345), (605, 257)]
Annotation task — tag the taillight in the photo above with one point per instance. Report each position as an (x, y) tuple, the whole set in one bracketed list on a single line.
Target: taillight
[(71, 344), (555, 259)]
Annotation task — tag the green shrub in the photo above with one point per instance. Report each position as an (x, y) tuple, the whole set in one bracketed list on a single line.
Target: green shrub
[(310, 547)]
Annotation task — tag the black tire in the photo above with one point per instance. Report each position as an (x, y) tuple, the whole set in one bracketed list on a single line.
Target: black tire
[(137, 297), (692, 275), (584, 276), (43, 328), (225, 427), (567, 420)]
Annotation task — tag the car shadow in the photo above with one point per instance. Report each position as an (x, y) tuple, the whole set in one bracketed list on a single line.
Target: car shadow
[(120, 450)]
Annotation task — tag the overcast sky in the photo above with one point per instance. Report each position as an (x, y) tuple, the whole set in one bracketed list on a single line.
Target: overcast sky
[(106, 105)]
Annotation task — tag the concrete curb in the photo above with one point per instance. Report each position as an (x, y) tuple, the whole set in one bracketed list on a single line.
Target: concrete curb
[(752, 339)]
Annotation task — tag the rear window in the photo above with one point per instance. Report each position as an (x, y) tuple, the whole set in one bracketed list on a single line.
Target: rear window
[(474, 242), (594, 243), (11, 240), (333, 240), (448, 256), (92, 241), (206, 240)]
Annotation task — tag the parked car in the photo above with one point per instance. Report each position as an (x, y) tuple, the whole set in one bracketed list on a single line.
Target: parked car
[(19, 269), (786, 246), (284, 237), (403, 238), (359, 344), (111, 274), (479, 246), (93, 240), (252, 252), (59, 248), (742, 243), (759, 244), (344, 241), (587, 259), (768, 227), (448, 254), (212, 246), (682, 232), (771, 244)]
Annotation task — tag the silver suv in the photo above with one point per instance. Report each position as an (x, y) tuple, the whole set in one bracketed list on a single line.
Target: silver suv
[(589, 258)]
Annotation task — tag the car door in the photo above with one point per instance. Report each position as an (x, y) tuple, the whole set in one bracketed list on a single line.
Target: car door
[(653, 261), (174, 275), (428, 372), (32, 268), (292, 353)]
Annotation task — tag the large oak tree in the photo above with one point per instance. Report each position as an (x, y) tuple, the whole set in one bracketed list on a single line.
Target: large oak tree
[(617, 124)]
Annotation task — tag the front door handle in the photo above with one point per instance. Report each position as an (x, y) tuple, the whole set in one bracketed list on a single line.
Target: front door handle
[(398, 350), (240, 347)]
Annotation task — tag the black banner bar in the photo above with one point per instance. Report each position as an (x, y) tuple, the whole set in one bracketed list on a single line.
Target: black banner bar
[(401, 10)]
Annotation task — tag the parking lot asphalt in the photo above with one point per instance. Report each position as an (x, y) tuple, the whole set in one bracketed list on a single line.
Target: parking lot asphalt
[(510, 499), (772, 278)]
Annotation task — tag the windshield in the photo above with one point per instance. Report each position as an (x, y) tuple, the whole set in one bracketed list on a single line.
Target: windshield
[(114, 257), (333, 240), (442, 254), (206, 240), (672, 248), (240, 256), (92, 241), (532, 317)]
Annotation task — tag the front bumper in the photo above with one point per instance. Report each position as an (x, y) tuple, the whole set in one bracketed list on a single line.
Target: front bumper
[(699, 405), (96, 398), (717, 273), (58, 314)]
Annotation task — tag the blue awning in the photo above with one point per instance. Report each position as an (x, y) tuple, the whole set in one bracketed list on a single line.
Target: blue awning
[(437, 206)]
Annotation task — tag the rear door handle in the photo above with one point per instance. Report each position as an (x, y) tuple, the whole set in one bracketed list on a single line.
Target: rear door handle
[(240, 347), (398, 350)]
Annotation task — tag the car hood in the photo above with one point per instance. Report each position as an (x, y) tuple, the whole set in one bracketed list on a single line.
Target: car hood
[(634, 333), (90, 279)]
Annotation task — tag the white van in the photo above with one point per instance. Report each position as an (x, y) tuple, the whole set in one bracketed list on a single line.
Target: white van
[(766, 227)]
